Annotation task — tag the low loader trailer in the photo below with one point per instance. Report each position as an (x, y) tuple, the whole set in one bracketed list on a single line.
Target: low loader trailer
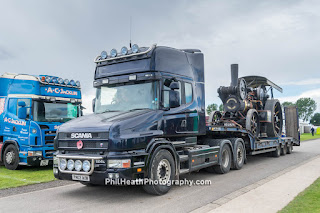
[(149, 122)]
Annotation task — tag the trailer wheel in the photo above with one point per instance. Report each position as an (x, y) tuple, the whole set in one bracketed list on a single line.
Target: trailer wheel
[(276, 153), (162, 171), (252, 122), (240, 156), (289, 148), (284, 149), (11, 157), (226, 160)]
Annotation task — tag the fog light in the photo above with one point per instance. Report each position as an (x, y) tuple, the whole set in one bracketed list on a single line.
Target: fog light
[(63, 164), (70, 165), (124, 50), (78, 165), (86, 166), (116, 175), (113, 53), (104, 55), (60, 80), (110, 175)]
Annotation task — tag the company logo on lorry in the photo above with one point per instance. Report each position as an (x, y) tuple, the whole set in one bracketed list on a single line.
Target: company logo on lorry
[(81, 135), (12, 121), (2, 101), (61, 91), (79, 144)]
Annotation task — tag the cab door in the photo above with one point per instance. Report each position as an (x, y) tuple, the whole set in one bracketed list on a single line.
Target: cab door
[(16, 127)]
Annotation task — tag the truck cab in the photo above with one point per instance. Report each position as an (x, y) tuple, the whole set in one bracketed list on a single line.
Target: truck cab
[(32, 108)]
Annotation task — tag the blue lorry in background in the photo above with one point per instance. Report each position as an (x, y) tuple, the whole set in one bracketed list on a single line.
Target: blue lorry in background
[(31, 110)]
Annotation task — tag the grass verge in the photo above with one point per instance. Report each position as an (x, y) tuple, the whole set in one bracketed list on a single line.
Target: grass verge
[(308, 136), (306, 201), (25, 176)]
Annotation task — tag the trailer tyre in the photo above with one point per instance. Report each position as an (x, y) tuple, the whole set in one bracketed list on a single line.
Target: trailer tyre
[(240, 156), (226, 160), (289, 148), (11, 157), (162, 170), (276, 153), (284, 149)]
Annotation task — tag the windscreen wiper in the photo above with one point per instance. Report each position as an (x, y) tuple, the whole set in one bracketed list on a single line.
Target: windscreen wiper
[(138, 109)]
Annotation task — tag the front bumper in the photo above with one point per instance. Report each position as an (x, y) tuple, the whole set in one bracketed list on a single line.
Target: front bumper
[(99, 172), (38, 161)]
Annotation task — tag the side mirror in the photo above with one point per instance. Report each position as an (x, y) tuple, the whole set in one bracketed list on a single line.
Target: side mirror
[(22, 112), (174, 85), (174, 99), (93, 104)]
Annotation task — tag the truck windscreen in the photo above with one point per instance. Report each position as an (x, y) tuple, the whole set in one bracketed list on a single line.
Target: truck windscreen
[(127, 97), (54, 112)]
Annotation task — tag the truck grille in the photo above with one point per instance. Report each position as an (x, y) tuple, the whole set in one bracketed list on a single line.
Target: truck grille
[(87, 144), (49, 137), (49, 153)]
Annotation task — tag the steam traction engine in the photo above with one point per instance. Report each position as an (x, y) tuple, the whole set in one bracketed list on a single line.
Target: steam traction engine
[(248, 105)]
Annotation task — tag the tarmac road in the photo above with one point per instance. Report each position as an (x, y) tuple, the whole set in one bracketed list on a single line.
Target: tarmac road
[(79, 198)]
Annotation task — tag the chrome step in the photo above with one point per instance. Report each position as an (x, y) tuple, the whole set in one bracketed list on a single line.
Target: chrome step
[(184, 171), (183, 158)]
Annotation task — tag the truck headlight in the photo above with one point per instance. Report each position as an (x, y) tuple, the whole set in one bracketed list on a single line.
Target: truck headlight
[(86, 166), (55, 160), (78, 165), (70, 165), (34, 153), (119, 163), (63, 164)]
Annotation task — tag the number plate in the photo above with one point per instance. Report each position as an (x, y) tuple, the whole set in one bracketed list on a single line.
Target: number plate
[(81, 177), (44, 162)]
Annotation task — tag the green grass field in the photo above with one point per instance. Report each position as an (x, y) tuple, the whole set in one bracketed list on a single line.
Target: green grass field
[(308, 136), (306, 201), (25, 176)]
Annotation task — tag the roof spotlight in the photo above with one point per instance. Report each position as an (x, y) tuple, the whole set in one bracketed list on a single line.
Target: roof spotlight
[(135, 48), (60, 81), (72, 83), (54, 80), (113, 53), (66, 81), (48, 79), (104, 54), (124, 50), (78, 83)]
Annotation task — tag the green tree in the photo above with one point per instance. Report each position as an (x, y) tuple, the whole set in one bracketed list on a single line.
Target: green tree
[(287, 103), (306, 107), (211, 108), (221, 108), (315, 120)]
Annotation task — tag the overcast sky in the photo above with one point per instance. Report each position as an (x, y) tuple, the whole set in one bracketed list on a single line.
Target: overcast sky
[(276, 39)]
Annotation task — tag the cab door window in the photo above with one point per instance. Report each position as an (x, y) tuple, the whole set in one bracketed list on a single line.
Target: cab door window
[(188, 92)]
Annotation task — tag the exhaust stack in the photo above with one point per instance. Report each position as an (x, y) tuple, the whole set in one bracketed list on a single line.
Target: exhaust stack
[(234, 75)]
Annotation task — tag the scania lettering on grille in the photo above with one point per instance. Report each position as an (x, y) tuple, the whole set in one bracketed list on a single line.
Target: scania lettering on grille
[(81, 135)]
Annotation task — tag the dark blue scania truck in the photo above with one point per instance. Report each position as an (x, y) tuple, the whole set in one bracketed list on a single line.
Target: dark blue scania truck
[(149, 122)]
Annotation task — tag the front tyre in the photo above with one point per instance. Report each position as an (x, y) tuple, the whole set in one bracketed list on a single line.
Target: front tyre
[(11, 157), (162, 171)]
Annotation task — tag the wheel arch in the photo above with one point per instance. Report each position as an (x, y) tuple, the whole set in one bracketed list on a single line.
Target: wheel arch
[(7, 143), (158, 145)]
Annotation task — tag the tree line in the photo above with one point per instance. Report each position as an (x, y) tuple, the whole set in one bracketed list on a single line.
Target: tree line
[(306, 108)]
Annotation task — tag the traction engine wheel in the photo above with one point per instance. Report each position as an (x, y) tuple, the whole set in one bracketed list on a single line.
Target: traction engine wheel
[(215, 117), (252, 122), (274, 129)]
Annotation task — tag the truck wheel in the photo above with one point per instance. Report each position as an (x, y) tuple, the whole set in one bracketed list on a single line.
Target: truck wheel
[(11, 157), (289, 148), (226, 159), (284, 150), (161, 172), (240, 156), (274, 128), (252, 122), (276, 153)]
